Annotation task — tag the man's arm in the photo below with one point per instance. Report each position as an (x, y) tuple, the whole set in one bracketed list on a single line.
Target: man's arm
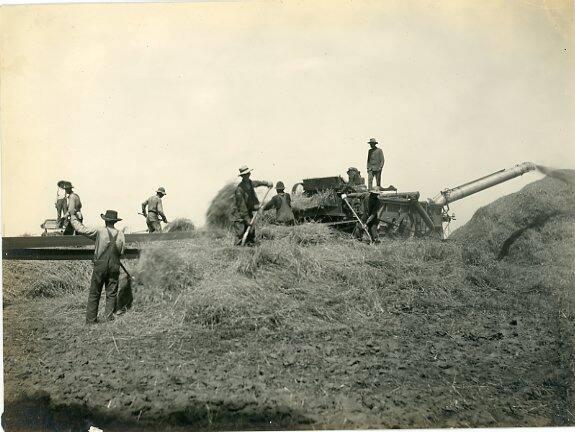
[(81, 229), (160, 210), (380, 158), (257, 183), (144, 204), (272, 204), (122, 237)]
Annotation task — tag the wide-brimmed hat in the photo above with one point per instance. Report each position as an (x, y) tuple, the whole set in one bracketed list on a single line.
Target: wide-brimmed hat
[(110, 216), (280, 185), (352, 169), (161, 190), (65, 184), (244, 170), (372, 141)]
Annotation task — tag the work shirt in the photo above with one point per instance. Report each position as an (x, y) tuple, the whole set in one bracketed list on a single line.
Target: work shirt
[(246, 199), (370, 205), (155, 208), (375, 159), (100, 234), (282, 203), (74, 204)]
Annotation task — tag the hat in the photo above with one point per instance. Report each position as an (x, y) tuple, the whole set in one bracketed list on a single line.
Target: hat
[(161, 190), (280, 185), (65, 184), (350, 169), (244, 170), (110, 216), (372, 141)]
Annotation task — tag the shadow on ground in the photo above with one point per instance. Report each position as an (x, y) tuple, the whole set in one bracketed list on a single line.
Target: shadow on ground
[(39, 414)]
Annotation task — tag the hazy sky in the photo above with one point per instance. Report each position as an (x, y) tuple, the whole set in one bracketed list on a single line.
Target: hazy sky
[(123, 98)]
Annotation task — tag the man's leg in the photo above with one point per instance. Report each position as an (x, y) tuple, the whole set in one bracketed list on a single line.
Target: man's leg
[(377, 177), (80, 219), (94, 295), (157, 226), (240, 229), (374, 232), (369, 179), (150, 226), (358, 231), (111, 293), (251, 236)]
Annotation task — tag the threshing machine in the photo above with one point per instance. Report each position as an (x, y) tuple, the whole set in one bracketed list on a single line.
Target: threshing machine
[(400, 213)]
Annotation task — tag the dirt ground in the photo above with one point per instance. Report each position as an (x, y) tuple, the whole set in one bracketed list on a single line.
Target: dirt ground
[(422, 366)]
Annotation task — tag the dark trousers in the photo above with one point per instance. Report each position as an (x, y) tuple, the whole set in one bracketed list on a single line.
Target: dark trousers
[(103, 275), (154, 226), (359, 232), (240, 228), (371, 175)]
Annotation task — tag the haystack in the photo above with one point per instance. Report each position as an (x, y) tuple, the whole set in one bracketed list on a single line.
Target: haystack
[(219, 214), (522, 223)]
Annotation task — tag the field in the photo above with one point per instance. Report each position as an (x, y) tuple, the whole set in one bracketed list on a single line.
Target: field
[(310, 329)]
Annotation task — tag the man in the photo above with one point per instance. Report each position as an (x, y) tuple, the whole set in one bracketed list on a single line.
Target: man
[(354, 177), (74, 206), (370, 206), (246, 203), (282, 203), (375, 161), (61, 201), (110, 244), (155, 211)]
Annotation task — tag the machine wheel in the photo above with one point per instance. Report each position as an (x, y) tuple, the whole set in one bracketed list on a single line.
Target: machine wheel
[(297, 189)]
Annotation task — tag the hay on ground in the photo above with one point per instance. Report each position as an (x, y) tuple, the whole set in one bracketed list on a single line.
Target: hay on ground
[(180, 225)]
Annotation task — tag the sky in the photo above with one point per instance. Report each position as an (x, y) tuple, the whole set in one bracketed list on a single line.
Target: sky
[(123, 98)]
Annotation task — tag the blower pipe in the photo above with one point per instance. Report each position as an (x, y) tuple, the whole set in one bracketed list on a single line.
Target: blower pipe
[(450, 195)]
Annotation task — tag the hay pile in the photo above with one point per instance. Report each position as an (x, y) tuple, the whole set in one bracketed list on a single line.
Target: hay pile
[(180, 225), (219, 214), (301, 202), (21, 279), (522, 225)]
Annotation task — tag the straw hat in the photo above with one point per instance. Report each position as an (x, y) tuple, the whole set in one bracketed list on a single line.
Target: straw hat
[(161, 190), (244, 170)]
